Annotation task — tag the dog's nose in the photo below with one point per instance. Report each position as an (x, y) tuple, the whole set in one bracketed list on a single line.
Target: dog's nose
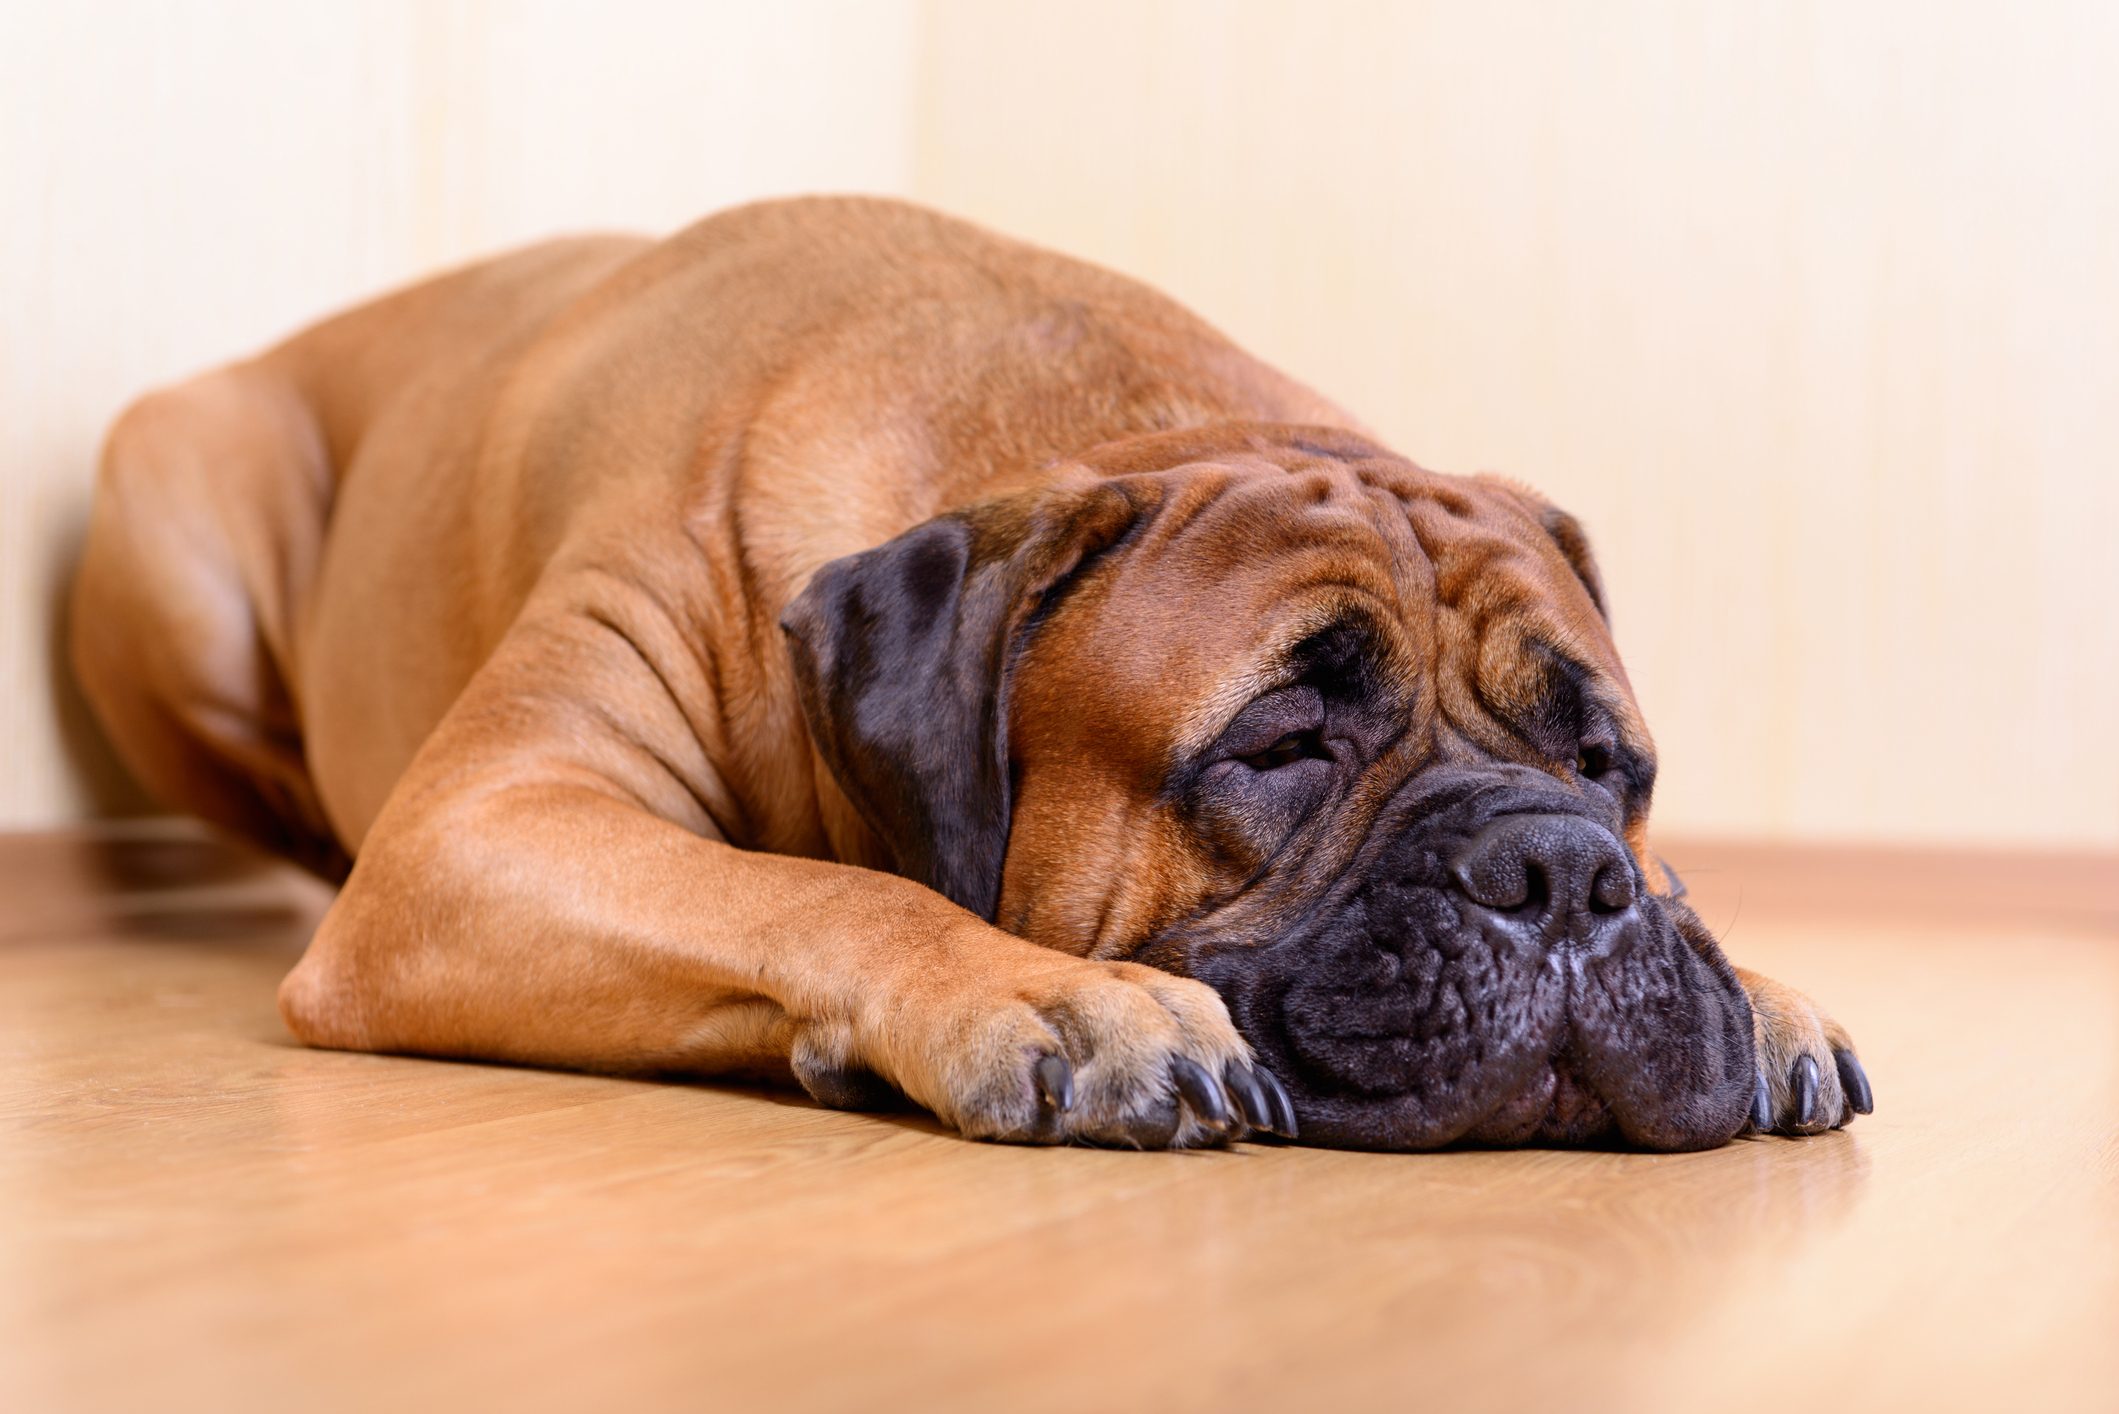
[(1554, 869)]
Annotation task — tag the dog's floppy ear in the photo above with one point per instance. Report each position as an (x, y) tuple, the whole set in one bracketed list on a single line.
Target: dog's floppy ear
[(1573, 541), (1566, 532), (902, 658)]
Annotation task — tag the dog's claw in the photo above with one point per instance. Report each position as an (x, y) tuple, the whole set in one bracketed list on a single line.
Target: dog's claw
[(1055, 1083), (1803, 1079), (1283, 1108), (1855, 1081), (1761, 1106), (1201, 1093), (1250, 1096)]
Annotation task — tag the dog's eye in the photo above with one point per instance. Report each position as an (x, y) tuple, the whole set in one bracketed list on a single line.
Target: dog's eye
[(1295, 746), (1592, 760)]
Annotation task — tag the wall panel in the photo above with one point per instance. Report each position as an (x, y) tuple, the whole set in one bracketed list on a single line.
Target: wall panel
[(183, 182), (1811, 311)]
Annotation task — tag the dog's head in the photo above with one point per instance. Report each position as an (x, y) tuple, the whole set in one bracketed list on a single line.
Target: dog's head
[(1345, 739)]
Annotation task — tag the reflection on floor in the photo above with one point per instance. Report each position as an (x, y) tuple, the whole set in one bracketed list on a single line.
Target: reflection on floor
[(196, 1214)]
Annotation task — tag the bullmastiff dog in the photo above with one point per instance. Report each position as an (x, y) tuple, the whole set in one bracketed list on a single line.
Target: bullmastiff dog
[(837, 642)]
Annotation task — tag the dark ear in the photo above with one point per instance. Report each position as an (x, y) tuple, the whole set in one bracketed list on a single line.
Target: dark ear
[(1573, 541), (902, 658), (1566, 532)]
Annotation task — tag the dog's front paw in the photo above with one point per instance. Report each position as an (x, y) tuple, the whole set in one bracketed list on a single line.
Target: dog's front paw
[(1809, 1079), (1071, 1050)]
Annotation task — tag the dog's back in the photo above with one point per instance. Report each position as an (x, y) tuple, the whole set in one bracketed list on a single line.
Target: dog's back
[(708, 417)]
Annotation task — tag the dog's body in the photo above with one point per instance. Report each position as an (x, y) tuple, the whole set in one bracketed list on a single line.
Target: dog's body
[(483, 586)]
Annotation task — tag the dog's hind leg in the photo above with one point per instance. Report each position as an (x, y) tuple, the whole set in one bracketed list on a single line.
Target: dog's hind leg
[(208, 522)]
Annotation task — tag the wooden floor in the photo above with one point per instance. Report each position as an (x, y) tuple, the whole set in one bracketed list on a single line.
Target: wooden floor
[(195, 1214)]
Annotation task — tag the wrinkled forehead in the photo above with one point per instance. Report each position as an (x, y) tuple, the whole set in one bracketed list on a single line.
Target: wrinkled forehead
[(1245, 562)]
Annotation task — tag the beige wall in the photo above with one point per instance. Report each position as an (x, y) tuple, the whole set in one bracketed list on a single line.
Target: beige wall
[(182, 182), (1811, 311)]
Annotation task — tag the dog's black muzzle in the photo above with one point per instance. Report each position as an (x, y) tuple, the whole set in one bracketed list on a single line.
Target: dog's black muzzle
[(1491, 968)]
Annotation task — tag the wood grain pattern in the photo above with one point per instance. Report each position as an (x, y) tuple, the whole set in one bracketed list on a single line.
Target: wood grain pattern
[(194, 1214)]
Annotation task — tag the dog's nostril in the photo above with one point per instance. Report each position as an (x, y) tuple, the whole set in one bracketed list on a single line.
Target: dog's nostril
[(1502, 880), (1614, 889), (1537, 890), (1564, 865)]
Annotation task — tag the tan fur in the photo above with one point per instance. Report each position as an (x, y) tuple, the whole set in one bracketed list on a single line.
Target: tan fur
[(1787, 1026), (477, 586)]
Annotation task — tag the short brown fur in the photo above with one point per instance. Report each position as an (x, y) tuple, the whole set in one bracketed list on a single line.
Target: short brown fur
[(471, 596)]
